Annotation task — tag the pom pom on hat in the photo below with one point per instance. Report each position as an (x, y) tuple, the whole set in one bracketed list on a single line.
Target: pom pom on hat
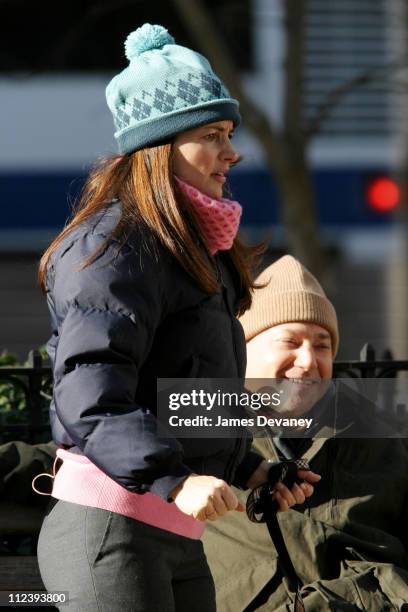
[(146, 38)]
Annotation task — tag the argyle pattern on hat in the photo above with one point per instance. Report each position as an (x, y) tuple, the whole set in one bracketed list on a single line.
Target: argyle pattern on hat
[(218, 219), (191, 90)]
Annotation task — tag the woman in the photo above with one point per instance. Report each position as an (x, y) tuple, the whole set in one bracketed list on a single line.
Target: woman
[(144, 283)]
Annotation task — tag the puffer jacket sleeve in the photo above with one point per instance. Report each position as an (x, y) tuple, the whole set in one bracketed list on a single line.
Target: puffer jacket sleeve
[(108, 314), (246, 468)]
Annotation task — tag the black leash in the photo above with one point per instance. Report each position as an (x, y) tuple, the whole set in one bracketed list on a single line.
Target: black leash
[(261, 508)]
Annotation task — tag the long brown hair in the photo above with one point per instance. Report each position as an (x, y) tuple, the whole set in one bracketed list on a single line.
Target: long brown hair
[(143, 182)]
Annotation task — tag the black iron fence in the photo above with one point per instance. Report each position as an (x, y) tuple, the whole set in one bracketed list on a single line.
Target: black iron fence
[(25, 392), (368, 366)]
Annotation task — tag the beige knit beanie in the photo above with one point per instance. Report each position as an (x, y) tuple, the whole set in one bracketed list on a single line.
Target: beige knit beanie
[(291, 294)]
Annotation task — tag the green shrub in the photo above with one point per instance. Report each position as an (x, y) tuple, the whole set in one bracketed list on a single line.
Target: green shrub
[(13, 398)]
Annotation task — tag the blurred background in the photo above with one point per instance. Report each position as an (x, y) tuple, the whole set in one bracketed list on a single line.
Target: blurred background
[(323, 86)]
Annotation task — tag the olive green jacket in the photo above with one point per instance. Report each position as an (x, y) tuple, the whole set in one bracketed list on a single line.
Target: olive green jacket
[(19, 464), (348, 542)]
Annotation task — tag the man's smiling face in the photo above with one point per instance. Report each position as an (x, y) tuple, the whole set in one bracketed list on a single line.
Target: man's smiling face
[(299, 357)]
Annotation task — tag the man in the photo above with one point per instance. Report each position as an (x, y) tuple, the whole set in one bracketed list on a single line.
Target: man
[(348, 541)]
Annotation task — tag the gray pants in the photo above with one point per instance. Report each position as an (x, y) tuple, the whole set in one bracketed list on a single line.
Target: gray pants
[(108, 562)]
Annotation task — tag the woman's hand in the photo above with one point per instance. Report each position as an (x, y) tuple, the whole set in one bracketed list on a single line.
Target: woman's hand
[(205, 497), (286, 498)]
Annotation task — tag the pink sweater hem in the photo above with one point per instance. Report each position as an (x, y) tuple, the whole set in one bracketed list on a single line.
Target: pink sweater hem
[(79, 481)]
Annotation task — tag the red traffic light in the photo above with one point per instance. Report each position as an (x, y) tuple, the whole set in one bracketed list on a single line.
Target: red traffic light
[(383, 194)]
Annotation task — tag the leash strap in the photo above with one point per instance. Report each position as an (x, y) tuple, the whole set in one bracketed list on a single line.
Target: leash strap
[(261, 508)]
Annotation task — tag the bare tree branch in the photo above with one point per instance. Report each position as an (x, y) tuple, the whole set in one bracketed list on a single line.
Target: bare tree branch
[(198, 22), (283, 149), (336, 95)]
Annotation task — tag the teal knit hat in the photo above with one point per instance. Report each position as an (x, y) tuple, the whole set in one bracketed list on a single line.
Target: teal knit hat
[(165, 90)]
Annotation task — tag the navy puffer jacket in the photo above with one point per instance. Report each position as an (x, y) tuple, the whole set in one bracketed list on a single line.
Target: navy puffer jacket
[(132, 316)]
